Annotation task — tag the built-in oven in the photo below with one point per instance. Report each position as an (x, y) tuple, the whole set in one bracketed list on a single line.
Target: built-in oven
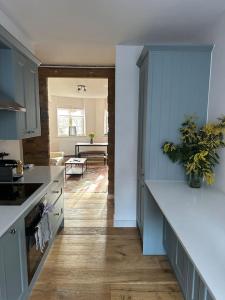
[(34, 255)]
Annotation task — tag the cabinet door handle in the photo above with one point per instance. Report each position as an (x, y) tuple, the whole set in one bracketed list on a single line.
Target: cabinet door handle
[(56, 214), (56, 181), (12, 231)]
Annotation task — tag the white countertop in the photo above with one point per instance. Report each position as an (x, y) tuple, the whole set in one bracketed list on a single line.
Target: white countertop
[(198, 218), (45, 175)]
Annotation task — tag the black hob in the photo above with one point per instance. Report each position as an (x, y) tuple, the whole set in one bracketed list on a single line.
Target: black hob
[(16, 193)]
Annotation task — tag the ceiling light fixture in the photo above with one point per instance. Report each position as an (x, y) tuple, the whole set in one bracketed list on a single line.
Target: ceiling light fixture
[(81, 88)]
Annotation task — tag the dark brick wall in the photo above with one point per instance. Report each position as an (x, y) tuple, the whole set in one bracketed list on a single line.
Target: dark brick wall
[(36, 150)]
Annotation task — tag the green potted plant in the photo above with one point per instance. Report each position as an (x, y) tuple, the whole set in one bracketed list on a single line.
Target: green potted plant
[(91, 136), (197, 150)]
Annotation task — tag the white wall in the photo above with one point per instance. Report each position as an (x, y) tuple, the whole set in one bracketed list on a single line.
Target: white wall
[(94, 119), (21, 36), (12, 147), (126, 132), (126, 118), (217, 85)]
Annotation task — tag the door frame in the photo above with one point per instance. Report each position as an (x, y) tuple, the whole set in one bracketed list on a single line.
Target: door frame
[(37, 150)]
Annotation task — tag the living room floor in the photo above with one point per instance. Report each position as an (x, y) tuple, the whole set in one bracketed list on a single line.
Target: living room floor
[(94, 180), (92, 260)]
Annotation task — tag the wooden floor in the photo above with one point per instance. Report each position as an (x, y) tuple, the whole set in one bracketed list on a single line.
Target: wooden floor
[(91, 260)]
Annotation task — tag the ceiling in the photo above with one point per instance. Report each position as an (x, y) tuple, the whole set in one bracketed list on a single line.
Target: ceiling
[(85, 32), (67, 87)]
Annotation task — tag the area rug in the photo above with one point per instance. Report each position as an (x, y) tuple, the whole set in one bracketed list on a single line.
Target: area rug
[(94, 180)]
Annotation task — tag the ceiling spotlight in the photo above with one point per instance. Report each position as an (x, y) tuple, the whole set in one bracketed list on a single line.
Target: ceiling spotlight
[(81, 88)]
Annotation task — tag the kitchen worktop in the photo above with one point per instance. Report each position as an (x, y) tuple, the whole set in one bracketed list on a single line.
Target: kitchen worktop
[(39, 174), (197, 216)]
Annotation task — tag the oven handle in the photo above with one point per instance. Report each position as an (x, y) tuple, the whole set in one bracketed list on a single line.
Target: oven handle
[(29, 231)]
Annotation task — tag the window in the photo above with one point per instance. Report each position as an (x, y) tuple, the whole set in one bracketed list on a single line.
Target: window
[(70, 117), (106, 124)]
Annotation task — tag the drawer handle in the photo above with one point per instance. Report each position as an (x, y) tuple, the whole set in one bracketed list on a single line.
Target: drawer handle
[(56, 214), (12, 231), (56, 181), (30, 131), (55, 192)]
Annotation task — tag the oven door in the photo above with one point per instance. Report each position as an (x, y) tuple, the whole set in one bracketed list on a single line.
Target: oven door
[(34, 255)]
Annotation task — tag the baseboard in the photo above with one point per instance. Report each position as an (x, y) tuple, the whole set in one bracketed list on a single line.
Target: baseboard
[(124, 223)]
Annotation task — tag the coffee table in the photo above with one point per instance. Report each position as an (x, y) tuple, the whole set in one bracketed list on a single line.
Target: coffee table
[(75, 166)]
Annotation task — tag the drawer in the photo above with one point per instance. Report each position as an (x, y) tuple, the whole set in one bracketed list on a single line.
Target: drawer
[(56, 213), (55, 190)]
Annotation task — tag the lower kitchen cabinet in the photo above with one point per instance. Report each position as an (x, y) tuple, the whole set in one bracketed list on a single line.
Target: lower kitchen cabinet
[(13, 278), (209, 297), (2, 274), (199, 288), (169, 242), (181, 266), (191, 284), (56, 214)]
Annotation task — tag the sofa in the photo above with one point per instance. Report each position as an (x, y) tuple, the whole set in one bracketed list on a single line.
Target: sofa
[(56, 158)]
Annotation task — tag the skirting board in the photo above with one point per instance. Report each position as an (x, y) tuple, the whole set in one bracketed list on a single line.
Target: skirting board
[(124, 223)]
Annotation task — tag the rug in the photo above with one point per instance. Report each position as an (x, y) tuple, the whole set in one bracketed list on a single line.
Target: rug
[(94, 180)]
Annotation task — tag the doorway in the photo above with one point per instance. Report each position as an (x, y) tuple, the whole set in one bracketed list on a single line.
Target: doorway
[(78, 132), (42, 143)]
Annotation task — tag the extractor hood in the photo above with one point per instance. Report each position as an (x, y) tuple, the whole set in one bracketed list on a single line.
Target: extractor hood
[(8, 104)]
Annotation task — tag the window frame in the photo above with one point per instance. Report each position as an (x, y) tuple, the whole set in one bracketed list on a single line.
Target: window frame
[(106, 122), (70, 119)]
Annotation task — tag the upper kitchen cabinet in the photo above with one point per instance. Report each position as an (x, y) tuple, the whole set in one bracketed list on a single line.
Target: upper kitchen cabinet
[(174, 83), (19, 94), (32, 115)]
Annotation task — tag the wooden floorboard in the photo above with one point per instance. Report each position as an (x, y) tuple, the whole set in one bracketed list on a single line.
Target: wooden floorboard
[(92, 260)]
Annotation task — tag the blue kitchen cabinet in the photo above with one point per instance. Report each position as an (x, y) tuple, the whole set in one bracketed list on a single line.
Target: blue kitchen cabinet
[(209, 296), (169, 242), (177, 257), (19, 63), (181, 266), (191, 283), (2, 274), (173, 83), (13, 263), (19, 82), (200, 289), (33, 123)]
